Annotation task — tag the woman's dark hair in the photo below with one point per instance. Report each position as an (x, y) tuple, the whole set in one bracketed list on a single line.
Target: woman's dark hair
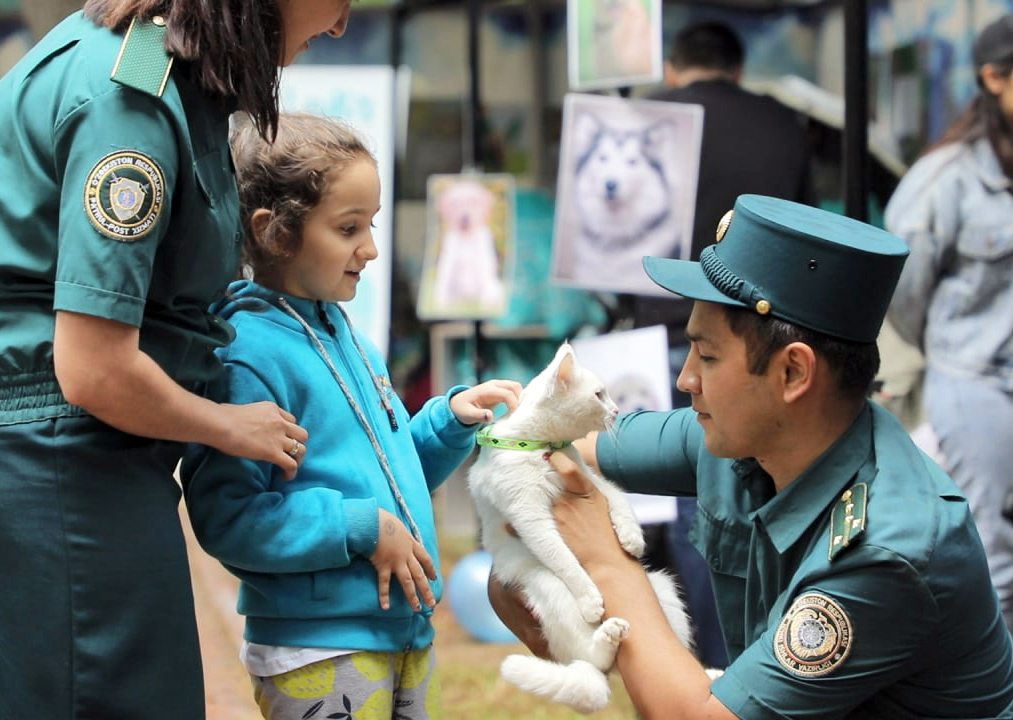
[(854, 364), (288, 176), (234, 46), (984, 117)]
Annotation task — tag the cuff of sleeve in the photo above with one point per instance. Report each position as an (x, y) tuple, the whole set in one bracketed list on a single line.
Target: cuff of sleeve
[(737, 698), (452, 431), (362, 520), (96, 301)]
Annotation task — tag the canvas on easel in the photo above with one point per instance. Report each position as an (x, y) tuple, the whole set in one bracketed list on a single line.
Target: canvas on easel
[(468, 262), (626, 188), (613, 43)]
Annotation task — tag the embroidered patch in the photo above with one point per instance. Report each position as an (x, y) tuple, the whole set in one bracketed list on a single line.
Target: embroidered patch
[(814, 636), (124, 195)]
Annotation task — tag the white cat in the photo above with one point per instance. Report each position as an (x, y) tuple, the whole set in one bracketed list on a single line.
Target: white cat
[(511, 482)]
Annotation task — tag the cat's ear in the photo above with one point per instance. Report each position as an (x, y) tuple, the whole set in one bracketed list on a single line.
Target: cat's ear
[(566, 366)]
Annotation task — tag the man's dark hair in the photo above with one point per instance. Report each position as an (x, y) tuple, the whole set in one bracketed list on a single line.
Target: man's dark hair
[(234, 46), (709, 45), (854, 364)]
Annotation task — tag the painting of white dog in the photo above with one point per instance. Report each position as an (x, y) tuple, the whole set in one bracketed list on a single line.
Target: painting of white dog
[(626, 188), (469, 246)]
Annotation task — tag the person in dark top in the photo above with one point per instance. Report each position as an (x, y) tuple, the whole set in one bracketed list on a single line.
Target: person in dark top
[(751, 144)]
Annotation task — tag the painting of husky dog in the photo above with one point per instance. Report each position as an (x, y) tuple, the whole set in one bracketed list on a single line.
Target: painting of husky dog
[(627, 188)]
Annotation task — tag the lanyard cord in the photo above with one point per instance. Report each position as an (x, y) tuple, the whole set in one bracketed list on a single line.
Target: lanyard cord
[(381, 455)]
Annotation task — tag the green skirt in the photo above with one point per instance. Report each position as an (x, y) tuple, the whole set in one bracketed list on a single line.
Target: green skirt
[(96, 609)]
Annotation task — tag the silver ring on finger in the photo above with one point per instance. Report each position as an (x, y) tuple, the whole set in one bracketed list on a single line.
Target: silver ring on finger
[(295, 449)]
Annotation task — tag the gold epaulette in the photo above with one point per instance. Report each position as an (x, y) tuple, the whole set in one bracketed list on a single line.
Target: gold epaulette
[(847, 520), (143, 62)]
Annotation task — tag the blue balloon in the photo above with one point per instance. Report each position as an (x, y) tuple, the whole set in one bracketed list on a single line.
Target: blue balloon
[(469, 599)]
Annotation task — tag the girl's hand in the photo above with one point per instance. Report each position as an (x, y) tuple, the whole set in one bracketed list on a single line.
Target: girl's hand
[(401, 555), (475, 405)]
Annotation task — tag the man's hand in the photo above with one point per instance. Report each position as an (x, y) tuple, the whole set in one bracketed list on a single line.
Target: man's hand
[(511, 606)]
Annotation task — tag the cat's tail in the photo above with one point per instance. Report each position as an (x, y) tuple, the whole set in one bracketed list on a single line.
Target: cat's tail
[(580, 684)]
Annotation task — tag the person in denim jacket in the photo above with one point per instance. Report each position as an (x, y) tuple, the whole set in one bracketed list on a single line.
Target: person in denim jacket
[(954, 299)]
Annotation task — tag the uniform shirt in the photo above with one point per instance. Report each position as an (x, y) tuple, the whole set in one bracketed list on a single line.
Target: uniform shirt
[(953, 300), (115, 203), (831, 609)]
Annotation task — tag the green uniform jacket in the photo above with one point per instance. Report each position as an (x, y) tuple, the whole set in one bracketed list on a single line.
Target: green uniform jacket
[(860, 591), (115, 202)]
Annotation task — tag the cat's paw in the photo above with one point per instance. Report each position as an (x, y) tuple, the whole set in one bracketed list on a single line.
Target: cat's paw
[(631, 538), (592, 607), (615, 630)]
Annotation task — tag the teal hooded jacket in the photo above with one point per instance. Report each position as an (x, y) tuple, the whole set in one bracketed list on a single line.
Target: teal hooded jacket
[(301, 548)]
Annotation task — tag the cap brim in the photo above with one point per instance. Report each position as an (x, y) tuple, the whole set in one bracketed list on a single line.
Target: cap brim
[(685, 278)]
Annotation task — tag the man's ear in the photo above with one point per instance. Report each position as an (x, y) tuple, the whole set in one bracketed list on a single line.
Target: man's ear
[(797, 370), (671, 75), (259, 221)]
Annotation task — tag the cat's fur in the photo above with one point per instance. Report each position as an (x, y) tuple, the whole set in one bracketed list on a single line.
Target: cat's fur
[(563, 403)]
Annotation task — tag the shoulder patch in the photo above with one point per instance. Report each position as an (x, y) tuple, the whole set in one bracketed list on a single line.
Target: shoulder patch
[(124, 195), (143, 62), (847, 519), (814, 636)]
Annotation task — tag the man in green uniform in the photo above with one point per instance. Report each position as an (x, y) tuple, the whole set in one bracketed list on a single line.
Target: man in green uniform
[(848, 573)]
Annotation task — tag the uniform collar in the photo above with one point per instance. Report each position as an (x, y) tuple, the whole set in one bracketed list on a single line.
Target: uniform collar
[(791, 512)]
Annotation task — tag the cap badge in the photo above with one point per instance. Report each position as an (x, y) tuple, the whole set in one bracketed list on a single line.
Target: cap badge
[(814, 637), (723, 224), (763, 307)]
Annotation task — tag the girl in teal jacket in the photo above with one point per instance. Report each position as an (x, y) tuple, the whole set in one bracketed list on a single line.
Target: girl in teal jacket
[(339, 566)]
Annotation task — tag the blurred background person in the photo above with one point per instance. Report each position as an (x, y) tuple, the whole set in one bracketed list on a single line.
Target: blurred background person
[(955, 297)]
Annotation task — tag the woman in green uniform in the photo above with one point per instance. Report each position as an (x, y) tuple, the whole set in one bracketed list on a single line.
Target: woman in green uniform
[(118, 227)]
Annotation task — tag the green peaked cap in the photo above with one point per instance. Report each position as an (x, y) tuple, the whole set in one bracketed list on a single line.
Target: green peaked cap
[(814, 268)]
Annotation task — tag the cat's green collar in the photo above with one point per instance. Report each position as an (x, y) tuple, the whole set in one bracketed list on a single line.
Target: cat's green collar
[(485, 438)]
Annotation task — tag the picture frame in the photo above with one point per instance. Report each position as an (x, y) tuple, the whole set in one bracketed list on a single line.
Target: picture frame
[(626, 188), (467, 267)]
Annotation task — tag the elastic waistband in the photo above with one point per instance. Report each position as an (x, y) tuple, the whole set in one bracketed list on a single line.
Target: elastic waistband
[(33, 396)]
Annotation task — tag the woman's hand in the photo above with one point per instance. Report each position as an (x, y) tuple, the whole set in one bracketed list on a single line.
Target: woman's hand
[(475, 405), (400, 555), (264, 431)]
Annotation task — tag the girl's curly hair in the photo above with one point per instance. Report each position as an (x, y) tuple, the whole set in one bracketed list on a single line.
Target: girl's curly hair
[(288, 177)]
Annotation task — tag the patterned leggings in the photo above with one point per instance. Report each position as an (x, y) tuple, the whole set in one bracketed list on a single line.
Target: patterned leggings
[(357, 686)]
